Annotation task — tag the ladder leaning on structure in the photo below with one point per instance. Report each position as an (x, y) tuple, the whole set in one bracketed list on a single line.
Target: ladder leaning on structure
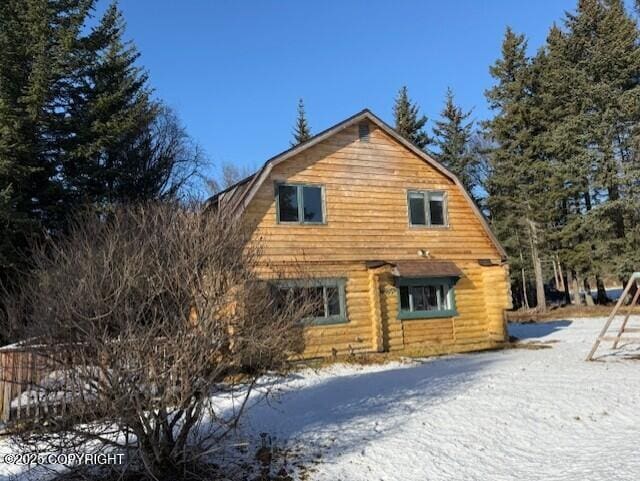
[(623, 327)]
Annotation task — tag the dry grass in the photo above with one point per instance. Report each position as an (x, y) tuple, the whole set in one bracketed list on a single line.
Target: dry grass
[(564, 312), (407, 355), (362, 359), (515, 343)]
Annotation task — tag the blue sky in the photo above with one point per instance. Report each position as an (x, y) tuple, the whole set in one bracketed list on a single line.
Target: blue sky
[(234, 69)]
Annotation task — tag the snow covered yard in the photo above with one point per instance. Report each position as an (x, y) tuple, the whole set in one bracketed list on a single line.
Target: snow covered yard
[(512, 414), (518, 414)]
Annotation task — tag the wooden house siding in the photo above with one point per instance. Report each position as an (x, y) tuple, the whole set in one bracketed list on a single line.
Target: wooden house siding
[(366, 218)]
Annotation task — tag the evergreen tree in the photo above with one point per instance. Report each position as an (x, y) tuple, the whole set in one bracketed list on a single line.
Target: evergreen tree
[(452, 136), (112, 115), (77, 122), (516, 197), (301, 132), (408, 121), (568, 152), (567, 138), (37, 48), (590, 80)]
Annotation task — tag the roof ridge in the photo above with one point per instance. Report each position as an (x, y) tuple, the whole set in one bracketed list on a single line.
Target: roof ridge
[(238, 203), (300, 145)]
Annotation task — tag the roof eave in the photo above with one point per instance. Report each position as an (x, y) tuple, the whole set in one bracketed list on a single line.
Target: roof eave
[(257, 179)]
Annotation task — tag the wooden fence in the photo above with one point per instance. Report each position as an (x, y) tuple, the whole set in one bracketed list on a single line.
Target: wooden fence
[(41, 382), (38, 381), (22, 371)]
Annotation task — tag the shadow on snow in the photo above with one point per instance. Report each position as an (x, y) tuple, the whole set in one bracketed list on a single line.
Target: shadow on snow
[(343, 412), (531, 330)]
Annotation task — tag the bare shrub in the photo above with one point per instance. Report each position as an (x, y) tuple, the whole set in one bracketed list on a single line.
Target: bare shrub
[(144, 315)]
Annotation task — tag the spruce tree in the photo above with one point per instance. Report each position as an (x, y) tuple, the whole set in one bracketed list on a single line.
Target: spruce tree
[(37, 50), (77, 122), (516, 197), (301, 131), (452, 138), (591, 95), (408, 121), (567, 149), (112, 116)]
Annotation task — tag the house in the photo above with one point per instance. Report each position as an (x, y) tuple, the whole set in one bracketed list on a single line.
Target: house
[(401, 257)]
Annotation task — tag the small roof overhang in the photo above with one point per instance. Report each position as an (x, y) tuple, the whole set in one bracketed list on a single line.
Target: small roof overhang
[(426, 268), (419, 268)]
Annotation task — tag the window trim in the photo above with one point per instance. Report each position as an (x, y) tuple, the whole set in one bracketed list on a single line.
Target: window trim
[(300, 196), (428, 281), (338, 282), (427, 211)]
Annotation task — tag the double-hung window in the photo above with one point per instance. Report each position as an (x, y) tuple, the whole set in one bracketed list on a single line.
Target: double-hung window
[(300, 204), (427, 297), (325, 299), (427, 208)]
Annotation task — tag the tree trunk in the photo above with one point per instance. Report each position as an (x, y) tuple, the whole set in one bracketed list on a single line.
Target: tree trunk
[(524, 290), (567, 290), (563, 286), (587, 292), (601, 296), (556, 277), (525, 297), (577, 299), (632, 291), (541, 301), (587, 200), (565, 283)]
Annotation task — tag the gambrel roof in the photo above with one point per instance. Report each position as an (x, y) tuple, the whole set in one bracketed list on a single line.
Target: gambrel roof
[(238, 196)]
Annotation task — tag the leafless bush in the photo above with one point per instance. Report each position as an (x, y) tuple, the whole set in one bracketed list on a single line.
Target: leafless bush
[(145, 314)]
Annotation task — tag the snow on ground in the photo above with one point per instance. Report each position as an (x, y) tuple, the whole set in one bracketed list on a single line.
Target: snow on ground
[(517, 414), (503, 415)]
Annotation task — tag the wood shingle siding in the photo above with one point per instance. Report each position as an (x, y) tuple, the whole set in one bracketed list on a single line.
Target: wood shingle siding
[(365, 186)]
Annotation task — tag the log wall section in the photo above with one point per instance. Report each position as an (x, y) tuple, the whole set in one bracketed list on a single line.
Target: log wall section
[(366, 186)]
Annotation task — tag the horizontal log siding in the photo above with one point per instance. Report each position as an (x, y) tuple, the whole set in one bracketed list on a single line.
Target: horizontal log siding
[(356, 335), (366, 218), (473, 325), (496, 300)]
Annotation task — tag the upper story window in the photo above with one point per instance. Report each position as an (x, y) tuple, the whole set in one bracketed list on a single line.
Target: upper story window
[(427, 208), (300, 203)]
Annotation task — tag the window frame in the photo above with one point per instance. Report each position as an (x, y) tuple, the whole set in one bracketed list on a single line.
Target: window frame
[(337, 282), (427, 208), (428, 281), (300, 197)]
